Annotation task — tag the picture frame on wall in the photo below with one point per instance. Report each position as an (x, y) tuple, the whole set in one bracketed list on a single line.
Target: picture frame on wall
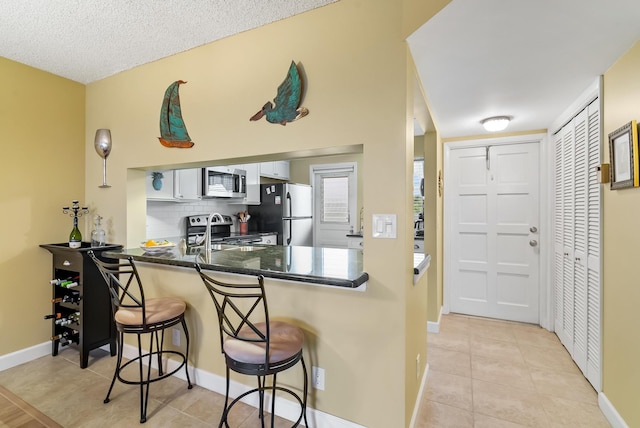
[(623, 155)]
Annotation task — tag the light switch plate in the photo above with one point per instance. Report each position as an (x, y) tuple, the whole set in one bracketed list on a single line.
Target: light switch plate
[(384, 226)]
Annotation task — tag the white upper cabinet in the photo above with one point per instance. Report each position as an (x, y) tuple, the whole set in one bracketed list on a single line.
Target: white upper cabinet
[(275, 169), (188, 184), (159, 185), (174, 186)]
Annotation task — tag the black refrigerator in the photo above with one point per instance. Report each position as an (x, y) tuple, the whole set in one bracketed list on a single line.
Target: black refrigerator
[(287, 209)]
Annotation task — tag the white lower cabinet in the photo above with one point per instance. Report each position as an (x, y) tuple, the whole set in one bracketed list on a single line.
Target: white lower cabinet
[(269, 239), (355, 242)]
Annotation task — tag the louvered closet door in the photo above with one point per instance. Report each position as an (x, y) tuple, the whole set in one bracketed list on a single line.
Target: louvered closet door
[(580, 241), (558, 236), (577, 216), (594, 260), (565, 333)]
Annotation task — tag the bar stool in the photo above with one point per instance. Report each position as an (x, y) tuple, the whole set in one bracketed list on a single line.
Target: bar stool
[(252, 344), (133, 314)]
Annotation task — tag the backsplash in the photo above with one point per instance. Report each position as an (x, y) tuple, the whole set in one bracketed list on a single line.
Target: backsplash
[(168, 219)]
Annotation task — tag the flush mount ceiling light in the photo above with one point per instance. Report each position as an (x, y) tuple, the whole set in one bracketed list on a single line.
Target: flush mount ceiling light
[(495, 123)]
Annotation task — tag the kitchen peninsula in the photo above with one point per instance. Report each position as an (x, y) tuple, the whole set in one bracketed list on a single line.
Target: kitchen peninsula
[(313, 265)]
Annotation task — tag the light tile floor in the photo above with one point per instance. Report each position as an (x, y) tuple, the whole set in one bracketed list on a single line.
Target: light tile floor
[(73, 397), (487, 373), (482, 373)]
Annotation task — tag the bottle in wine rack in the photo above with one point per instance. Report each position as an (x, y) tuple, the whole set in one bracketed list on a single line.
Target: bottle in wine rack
[(57, 316), (69, 335), (69, 319), (73, 297)]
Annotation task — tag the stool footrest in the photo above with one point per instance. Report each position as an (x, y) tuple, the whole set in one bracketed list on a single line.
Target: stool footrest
[(155, 378), (267, 389)]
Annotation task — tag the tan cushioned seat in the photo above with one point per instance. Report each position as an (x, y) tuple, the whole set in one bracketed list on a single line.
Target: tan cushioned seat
[(286, 341), (158, 310)]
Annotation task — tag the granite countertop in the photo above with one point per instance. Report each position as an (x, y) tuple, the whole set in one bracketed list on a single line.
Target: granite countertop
[(421, 263), (327, 266)]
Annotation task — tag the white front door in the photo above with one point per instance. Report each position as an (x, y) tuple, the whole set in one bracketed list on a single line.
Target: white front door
[(492, 212)]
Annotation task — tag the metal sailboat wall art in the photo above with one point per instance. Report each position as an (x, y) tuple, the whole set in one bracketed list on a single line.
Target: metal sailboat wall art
[(172, 128), (287, 101)]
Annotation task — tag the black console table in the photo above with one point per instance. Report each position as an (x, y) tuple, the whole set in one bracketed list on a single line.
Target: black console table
[(81, 305)]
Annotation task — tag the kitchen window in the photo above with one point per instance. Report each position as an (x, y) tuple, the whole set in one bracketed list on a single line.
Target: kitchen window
[(335, 198)]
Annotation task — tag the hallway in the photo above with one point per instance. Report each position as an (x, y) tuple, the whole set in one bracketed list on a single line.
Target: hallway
[(487, 373)]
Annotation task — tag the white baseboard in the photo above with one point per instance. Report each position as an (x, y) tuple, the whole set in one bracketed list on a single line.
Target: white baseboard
[(24, 355), (286, 409), (434, 326), (610, 412), (416, 406)]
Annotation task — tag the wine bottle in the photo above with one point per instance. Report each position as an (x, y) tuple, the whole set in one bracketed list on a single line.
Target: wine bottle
[(75, 237), (57, 281), (74, 297), (57, 316), (69, 319), (65, 335)]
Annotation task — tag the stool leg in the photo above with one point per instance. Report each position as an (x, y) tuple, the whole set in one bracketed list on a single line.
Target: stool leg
[(116, 372), (144, 392), (273, 399), (223, 419), (305, 390), (261, 385), (159, 348), (186, 357)]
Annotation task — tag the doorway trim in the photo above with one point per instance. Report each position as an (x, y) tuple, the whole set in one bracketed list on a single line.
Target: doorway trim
[(545, 303)]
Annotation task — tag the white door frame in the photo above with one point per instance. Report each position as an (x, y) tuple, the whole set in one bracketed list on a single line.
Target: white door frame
[(545, 295)]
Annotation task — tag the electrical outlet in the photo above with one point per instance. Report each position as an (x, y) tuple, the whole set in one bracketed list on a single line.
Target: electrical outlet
[(317, 378), (418, 366), (175, 336)]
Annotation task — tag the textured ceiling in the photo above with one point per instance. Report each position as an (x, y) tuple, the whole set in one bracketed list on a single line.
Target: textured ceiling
[(87, 40), (529, 59)]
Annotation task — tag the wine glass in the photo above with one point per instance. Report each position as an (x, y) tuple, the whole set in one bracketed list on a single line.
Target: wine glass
[(102, 143)]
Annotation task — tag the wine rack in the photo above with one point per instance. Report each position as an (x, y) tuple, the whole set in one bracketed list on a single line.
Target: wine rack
[(80, 303)]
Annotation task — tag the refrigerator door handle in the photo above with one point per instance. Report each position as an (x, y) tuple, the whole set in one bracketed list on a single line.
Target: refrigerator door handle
[(290, 214), (290, 232)]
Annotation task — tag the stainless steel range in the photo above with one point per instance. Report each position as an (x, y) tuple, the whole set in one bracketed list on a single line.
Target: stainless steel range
[(196, 227)]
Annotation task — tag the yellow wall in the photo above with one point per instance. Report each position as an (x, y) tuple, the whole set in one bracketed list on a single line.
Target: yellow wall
[(621, 231), (354, 98), (42, 122)]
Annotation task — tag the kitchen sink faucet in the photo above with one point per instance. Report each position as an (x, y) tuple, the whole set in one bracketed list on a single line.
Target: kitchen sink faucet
[(207, 233)]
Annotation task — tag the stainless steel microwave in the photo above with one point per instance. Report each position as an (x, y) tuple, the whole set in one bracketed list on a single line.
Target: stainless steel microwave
[(224, 182)]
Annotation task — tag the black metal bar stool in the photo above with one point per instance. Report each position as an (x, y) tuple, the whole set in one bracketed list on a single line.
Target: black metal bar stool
[(134, 314), (252, 344)]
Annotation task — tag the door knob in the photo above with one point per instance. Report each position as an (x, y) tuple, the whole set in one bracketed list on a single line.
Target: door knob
[(533, 229), (533, 243)]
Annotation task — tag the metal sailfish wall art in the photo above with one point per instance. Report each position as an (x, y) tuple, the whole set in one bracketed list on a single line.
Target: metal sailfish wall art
[(287, 101), (173, 132)]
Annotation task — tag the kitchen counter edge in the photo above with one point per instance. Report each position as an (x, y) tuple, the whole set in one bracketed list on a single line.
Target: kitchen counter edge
[(140, 256)]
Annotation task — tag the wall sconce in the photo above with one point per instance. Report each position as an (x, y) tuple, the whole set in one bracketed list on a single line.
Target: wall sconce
[(102, 143), (495, 123)]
